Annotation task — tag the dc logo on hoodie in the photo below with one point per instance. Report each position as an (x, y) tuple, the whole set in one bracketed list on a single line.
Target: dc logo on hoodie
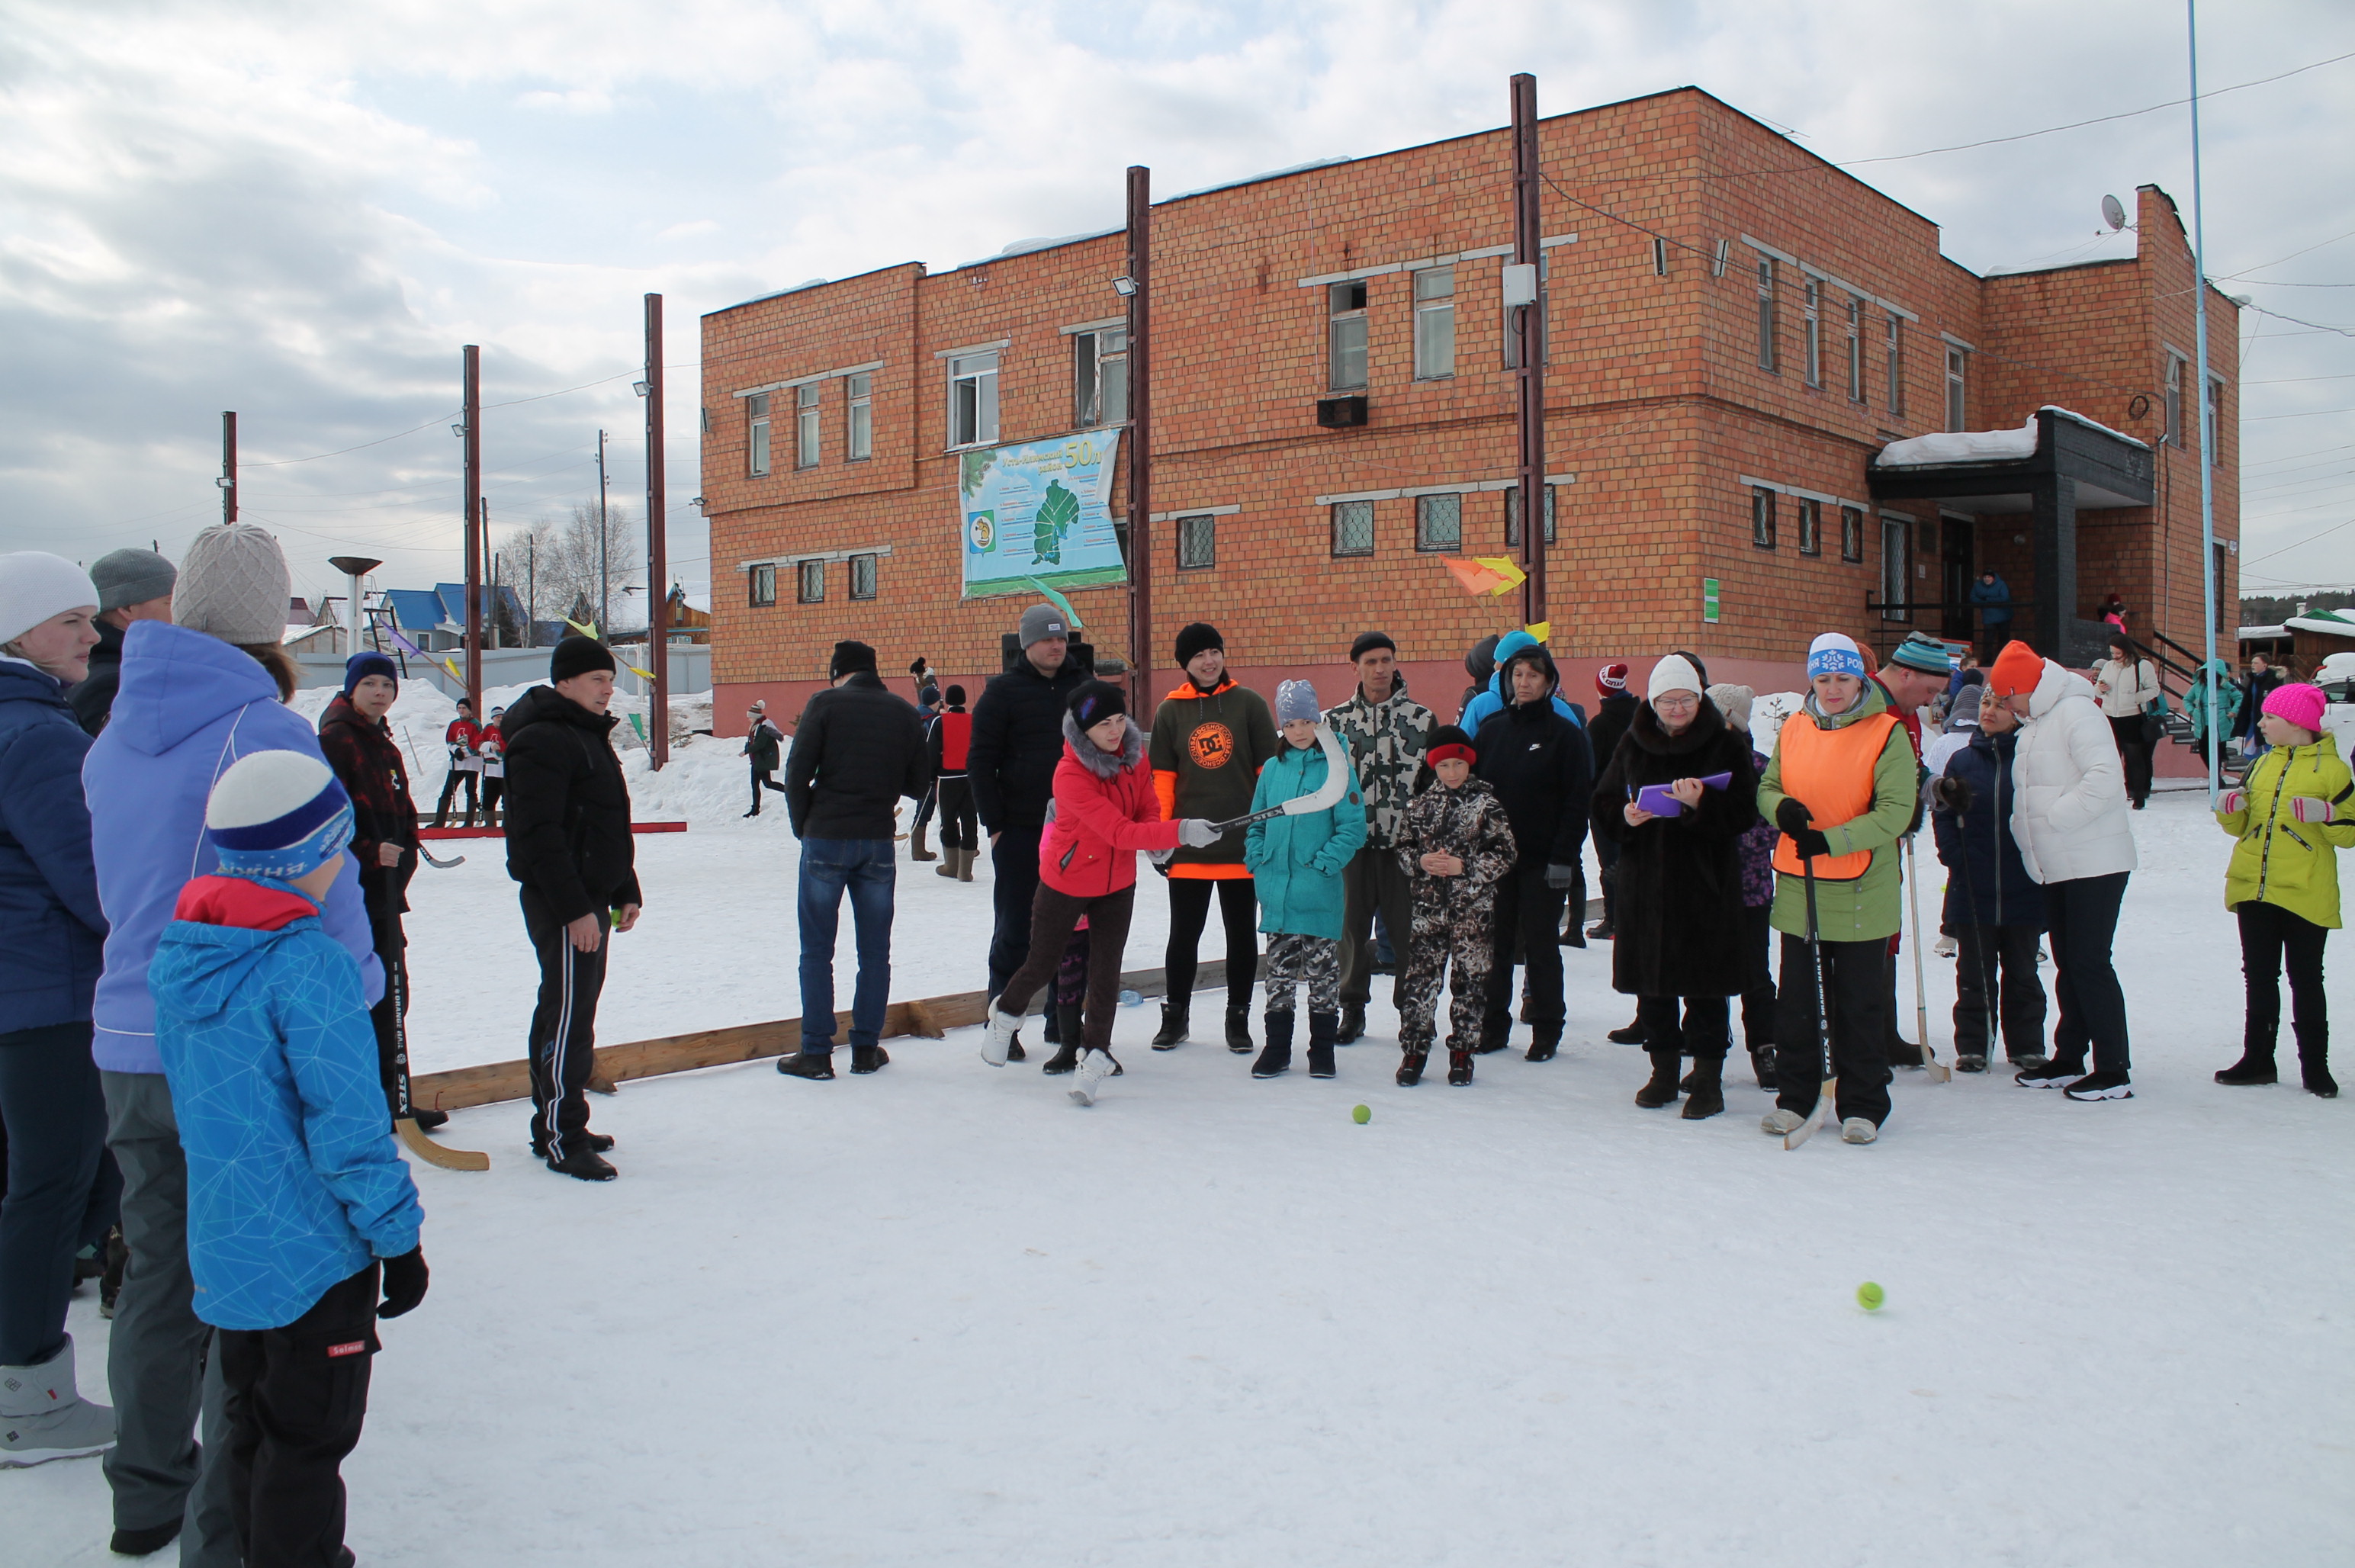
[(1212, 745)]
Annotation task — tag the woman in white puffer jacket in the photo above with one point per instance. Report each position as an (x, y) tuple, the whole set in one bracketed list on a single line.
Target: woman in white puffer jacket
[(2076, 833)]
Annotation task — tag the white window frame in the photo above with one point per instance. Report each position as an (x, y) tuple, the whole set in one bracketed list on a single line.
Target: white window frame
[(972, 398), (1813, 307), (1893, 359), (858, 416), (806, 448), (1350, 324), (1764, 521), (1957, 387), (1092, 352), (1855, 349), (756, 434), (1768, 358), (1435, 324), (2212, 436)]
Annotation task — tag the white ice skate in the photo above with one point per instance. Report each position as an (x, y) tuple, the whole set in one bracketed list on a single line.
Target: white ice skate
[(1780, 1123), (998, 1037), (1858, 1130), (43, 1416), (1095, 1066)]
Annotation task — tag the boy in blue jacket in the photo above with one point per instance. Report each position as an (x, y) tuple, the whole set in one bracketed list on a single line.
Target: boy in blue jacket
[(1995, 910), (1296, 863), (294, 1190)]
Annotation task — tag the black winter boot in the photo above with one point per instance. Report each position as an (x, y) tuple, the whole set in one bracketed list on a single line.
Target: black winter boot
[(1662, 1089), (1066, 1040), (812, 1064), (1459, 1068), (1633, 1034), (868, 1058), (1410, 1072), (1277, 1059), (1321, 1029), (2255, 1067), (1239, 1039), (1761, 1064), (1173, 1024), (1543, 1047), (2314, 1071), (1705, 1088), (1352, 1026)]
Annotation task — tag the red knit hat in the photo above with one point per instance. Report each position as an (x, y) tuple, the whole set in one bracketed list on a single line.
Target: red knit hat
[(1611, 679), (2017, 669)]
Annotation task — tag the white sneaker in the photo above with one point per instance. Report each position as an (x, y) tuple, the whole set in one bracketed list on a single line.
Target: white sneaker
[(1779, 1122), (43, 1416), (1095, 1066), (1944, 947), (1858, 1130), (998, 1037)]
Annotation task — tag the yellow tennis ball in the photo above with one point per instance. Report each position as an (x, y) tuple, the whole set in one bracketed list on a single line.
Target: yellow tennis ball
[(1870, 1296), (1362, 1114)]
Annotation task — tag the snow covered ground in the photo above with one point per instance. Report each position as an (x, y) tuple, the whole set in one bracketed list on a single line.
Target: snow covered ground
[(941, 1315)]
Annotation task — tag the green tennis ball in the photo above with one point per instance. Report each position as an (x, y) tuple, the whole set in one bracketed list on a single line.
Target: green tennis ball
[(1362, 1114), (1870, 1296)]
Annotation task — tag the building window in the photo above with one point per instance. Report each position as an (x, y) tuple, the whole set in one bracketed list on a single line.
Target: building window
[(862, 577), (1439, 522), (1894, 366), (1099, 376), (1852, 534), (1815, 333), (1198, 542), (812, 581), (1766, 313), (1435, 323), (2212, 438), (764, 586), (1762, 518), (1353, 527), (1896, 568), (1811, 526), (806, 448), (972, 398), (1855, 350), (858, 422), (756, 409), (2172, 432), (1346, 304), (1956, 366), (1659, 257), (1513, 515)]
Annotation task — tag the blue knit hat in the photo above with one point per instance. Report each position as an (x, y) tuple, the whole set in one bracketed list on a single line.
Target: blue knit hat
[(1297, 700), (1925, 653), (366, 662), (277, 814)]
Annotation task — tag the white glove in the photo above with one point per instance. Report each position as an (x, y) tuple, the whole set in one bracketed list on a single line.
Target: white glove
[(1159, 857), (2306, 808), (1197, 833), (2232, 801)]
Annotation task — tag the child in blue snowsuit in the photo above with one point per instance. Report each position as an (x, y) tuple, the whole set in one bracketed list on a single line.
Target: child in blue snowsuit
[(296, 1197), (1295, 864)]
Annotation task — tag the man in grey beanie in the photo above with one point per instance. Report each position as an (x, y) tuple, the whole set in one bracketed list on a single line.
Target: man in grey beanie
[(133, 585)]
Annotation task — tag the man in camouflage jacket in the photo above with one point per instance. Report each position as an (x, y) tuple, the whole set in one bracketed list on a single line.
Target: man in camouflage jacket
[(1385, 733)]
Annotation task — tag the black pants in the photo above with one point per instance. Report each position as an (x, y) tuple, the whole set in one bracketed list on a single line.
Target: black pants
[(1994, 973), (2270, 934), (1189, 910), (494, 785), (1373, 881), (1053, 915), (960, 829), (1706, 1030), (1525, 907), (1758, 977), (450, 783), (295, 1398), (1014, 873), (1855, 993), (2083, 914), (563, 1024), (1606, 855), (56, 1113), (390, 1015), (2135, 752), (762, 780)]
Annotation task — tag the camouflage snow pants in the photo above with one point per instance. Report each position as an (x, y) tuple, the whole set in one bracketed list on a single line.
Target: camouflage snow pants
[(1445, 936), (1295, 961)]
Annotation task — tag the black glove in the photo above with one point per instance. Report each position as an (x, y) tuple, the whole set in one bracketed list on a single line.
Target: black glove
[(1952, 795), (1792, 818), (404, 1282)]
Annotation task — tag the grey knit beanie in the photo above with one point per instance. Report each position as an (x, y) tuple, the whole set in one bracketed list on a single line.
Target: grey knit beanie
[(234, 585), (127, 577)]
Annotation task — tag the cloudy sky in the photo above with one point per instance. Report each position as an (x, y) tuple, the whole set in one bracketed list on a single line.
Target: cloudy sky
[(301, 212)]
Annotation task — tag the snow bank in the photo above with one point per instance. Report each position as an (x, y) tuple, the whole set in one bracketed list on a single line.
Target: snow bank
[(1962, 446)]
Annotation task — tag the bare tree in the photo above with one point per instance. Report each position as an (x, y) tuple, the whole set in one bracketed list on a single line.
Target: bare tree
[(556, 567)]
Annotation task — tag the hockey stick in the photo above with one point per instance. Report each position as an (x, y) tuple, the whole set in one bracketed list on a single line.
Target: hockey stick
[(436, 861), (1830, 1088), (1939, 1071), (1987, 961), (404, 1117), (1338, 777)]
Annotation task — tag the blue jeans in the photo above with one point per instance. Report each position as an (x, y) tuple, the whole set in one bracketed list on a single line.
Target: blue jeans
[(868, 869)]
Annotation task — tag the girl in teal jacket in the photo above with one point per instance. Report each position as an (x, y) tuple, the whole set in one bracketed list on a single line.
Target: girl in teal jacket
[(1295, 864)]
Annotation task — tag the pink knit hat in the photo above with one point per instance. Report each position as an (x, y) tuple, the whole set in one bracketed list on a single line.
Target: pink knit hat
[(2301, 705)]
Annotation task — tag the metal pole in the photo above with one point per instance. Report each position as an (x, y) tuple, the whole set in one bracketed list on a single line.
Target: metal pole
[(531, 592), (2207, 425), (1529, 328), (657, 557), (229, 468), (603, 582), (474, 399), (1140, 438)]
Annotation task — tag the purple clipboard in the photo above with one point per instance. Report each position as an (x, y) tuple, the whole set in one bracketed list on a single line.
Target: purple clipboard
[(1656, 798)]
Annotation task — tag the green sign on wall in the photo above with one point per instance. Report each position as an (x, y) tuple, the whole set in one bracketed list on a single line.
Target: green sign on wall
[(1709, 600)]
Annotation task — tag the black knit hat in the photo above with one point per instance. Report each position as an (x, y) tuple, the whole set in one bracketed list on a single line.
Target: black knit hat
[(579, 656), (1198, 636), (956, 695), (1095, 701), (1369, 641), (849, 659)]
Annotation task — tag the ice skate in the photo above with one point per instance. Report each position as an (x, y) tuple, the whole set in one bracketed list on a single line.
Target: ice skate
[(1858, 1130), (1780, 1124)]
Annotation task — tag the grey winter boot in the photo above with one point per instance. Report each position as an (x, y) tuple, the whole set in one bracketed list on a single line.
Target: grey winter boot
[(43, 1416), (950, 859), (1275, 1060), (964, 864), (916, 850)]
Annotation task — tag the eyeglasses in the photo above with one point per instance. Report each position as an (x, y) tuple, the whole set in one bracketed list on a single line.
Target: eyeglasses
[(1679, 702)]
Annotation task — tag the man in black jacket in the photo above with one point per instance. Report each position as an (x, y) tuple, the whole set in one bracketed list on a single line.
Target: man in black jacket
[(858, 750), (1539, 764), (133, 585), (568, 844), (1018, 739)]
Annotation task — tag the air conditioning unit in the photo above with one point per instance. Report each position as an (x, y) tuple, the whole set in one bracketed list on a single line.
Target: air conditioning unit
[(1341, 414)]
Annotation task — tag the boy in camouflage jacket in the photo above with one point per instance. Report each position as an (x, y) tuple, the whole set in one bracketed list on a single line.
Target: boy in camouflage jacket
[(1455, 845)]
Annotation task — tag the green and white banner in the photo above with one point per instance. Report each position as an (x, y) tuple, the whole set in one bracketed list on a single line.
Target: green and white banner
[(1037, 513)]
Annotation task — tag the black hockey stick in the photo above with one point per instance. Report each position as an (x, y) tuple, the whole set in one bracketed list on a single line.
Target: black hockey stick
[(437, 863), (1830, 1088)]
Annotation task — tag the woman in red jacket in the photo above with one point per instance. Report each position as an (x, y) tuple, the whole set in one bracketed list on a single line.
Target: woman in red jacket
[(1104, 811)]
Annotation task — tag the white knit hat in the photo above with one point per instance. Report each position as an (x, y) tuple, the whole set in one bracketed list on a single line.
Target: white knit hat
[(1674, 673), (234, 585), (36, 585), (277, 814)]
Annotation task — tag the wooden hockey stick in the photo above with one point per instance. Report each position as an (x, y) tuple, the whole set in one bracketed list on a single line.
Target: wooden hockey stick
[(1339, 776), (404, 1121)]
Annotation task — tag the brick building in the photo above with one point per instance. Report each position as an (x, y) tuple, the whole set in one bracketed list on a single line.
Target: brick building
[(1734, 331)]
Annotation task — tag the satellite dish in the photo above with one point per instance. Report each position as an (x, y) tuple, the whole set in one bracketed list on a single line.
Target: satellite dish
[(2114, 213)]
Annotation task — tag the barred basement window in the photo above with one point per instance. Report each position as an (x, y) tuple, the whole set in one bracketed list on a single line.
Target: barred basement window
[(1197, 541), (1345, 305), (858, 392), (1513, 515), (764, 585), (1762, 518), (1852, 534), (1353, 527), (812, 581), (1435, 323), (862, 577), (1811, 526), (756, 409), (805, 445), (1766, 313)]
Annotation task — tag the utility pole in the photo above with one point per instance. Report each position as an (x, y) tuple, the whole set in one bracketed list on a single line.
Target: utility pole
[(1529, 336), (657, 557), (2208, 432), (604, 581), (474, 434), (228, 480), (1140, 437), (530, 591)]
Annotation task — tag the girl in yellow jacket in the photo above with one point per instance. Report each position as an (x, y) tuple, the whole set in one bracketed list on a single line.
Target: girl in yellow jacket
[(2292, 816)]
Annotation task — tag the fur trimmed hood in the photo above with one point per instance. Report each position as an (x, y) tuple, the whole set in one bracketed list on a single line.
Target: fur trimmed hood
[(1097, 760)]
